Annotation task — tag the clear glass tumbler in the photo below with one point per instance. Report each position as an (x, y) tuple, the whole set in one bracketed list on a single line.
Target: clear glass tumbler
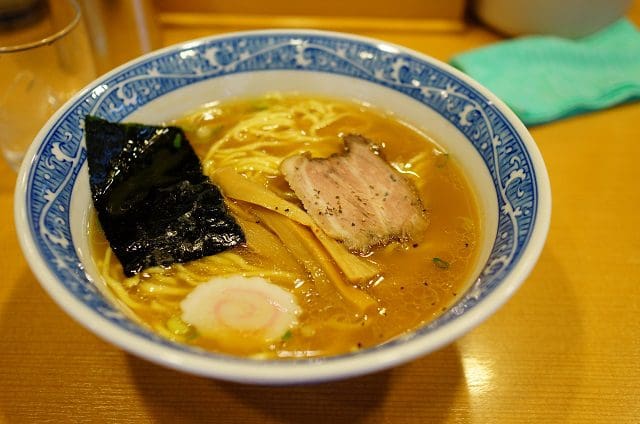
[(45, 57)]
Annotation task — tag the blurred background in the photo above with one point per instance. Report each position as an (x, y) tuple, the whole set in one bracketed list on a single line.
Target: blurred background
[(122, 29), (116, 25)]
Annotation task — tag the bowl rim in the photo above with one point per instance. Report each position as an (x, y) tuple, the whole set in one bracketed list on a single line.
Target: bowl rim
[(309, 370)]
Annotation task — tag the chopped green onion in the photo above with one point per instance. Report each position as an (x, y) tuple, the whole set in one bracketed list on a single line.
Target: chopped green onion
[(286, 336), (177, 326), (177, 141), (440, 263), (260, 105)]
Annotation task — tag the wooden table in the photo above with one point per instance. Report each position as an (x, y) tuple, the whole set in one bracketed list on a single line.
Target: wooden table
[(565, 349)]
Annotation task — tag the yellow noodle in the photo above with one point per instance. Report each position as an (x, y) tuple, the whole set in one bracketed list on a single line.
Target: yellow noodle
[(283, 276), (166, 279), (323, 123), (252, 148), (123, 295), (263, 123), (151, 288), (131, 281), (189, 278), (227, 259), (256, 166), (106, 262), (163, 331), (155, 270), (157, 306)]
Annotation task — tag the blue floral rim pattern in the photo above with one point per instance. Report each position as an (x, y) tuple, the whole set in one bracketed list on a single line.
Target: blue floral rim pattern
[(61, 155)]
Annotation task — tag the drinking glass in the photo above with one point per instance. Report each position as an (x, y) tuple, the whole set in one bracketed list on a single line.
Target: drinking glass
[(45, 57)]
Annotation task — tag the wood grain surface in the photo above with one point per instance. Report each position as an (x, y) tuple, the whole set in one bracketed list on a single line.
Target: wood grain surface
[(564, 349)]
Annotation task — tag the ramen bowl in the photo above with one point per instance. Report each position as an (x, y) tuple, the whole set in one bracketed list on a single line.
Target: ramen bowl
[(493, 148)]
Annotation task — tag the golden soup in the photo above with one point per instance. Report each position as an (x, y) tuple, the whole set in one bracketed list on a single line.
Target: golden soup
[(414, 281)]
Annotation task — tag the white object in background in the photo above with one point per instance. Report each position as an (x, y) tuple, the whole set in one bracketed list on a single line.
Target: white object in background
[(565, 18)]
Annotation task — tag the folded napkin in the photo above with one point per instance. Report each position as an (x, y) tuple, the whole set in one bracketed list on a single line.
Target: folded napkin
[(544, 78)]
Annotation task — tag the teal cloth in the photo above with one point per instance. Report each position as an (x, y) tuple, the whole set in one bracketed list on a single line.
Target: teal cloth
[(544, 78)]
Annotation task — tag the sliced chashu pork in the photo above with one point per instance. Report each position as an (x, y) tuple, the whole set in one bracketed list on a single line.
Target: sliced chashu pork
[(356, 197)]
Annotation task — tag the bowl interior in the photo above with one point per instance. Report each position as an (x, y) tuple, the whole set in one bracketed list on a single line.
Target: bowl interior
[(492, 147)]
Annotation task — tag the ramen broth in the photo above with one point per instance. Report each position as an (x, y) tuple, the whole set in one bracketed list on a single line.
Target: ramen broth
[(415, 280)]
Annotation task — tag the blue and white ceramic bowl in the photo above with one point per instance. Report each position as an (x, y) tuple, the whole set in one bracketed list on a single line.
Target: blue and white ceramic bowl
[(497, 153)]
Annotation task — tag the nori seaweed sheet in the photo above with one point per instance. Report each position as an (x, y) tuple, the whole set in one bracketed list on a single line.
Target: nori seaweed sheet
[(155, 205)]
